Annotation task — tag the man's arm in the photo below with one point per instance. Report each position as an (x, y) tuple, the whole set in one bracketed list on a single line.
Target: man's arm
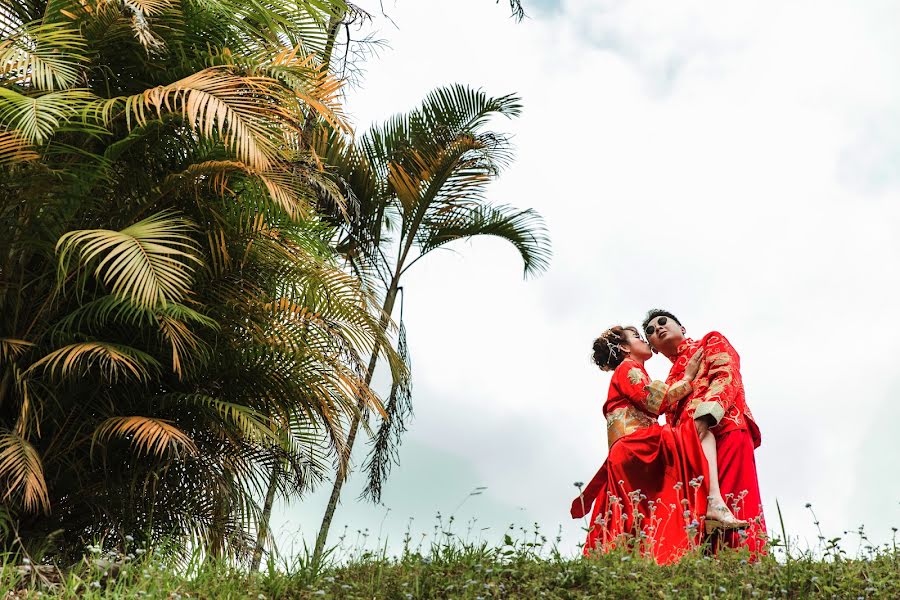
[(723, 372)]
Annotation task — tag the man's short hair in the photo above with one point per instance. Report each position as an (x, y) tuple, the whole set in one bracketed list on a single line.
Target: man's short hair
[(658, 312)]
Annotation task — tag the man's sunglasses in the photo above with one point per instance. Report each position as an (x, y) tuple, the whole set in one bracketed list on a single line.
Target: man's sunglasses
[(651, 329)]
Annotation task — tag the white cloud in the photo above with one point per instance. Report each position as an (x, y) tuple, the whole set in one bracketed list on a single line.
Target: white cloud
[(732, 161)]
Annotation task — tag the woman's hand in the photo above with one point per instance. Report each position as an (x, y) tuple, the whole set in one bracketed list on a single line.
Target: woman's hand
[(693, 366)]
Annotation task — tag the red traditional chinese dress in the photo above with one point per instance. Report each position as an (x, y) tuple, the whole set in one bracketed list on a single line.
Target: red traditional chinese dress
[(651, 490), (718, 391)]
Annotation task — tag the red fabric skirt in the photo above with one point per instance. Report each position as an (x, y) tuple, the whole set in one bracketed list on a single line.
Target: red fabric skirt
[(740, 489), (650, 492)]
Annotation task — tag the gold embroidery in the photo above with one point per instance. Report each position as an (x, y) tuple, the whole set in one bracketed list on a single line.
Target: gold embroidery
[(636, 376), (678, 391), (656, 393), (625, 421)]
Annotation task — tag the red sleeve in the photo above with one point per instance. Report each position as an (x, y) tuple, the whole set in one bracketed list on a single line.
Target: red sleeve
[(723, 372), (632, 382)]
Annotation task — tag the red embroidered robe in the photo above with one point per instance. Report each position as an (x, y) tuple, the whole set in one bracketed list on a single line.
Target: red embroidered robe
[(718, 392)]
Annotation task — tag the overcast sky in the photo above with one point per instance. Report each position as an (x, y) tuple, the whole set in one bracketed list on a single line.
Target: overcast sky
[(737, 163)]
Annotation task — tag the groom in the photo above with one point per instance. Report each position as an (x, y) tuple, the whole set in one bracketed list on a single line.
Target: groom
[(716, 405)]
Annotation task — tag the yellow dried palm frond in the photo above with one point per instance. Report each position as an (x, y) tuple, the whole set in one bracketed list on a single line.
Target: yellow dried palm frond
[(21, 472), (313, 85), (11, 348), (148, 262), (182, 341), (113, 360), (253, 115), (147, 434), (15, 149), (409, 185)]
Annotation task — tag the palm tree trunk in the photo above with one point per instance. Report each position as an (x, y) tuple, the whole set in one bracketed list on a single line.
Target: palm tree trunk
[(341, 475), (264, 519)]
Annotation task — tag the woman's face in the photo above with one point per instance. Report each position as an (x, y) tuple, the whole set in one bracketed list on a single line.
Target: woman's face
[(638, 347)]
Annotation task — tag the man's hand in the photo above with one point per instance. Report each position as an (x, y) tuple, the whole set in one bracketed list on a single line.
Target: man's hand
[(702, 424)]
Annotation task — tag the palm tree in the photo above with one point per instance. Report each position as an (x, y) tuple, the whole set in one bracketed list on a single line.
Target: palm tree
[(420, 182), (175, 320)]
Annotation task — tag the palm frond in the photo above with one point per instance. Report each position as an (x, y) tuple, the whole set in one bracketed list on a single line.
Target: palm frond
[(312, 84), (22, 473), (454, 110), (250, 113), (113, 361), (36, 118), (385, 445), (523, 228), (284, 188), (11, 349), (15, 149), (147, 435), (149, 262), (253, 424), (518, 11), (46, 56)]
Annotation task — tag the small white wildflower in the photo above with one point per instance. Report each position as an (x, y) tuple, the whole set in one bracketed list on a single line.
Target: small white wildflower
[(260, 597), (320, 592), (95, 584), (129, 538)]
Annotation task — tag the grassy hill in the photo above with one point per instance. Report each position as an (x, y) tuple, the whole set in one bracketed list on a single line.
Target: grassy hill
[(465, 571)]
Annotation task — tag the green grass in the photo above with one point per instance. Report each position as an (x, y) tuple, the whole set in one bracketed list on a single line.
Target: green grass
[(453, 568)]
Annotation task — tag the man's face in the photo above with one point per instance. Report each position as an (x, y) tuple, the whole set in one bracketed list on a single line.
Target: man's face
[(663, 332)]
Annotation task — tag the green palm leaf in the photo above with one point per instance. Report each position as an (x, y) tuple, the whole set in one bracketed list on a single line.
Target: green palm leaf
[(36, 118), (149, 262), (46, 56), (523, 228)]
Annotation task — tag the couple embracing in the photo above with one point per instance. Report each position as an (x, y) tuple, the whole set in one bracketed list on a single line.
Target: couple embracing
[(665, 489)]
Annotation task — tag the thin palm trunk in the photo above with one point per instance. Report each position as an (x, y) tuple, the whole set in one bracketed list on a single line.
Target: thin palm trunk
[(264, 519), (341, 475)]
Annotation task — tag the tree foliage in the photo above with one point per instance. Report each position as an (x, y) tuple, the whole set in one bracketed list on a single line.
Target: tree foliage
[(175, 320)]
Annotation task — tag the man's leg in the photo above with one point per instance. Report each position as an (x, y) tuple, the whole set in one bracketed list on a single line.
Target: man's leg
[(740, 488)]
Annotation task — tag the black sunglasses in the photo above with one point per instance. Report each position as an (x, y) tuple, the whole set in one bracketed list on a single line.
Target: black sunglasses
[(652, 329)]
